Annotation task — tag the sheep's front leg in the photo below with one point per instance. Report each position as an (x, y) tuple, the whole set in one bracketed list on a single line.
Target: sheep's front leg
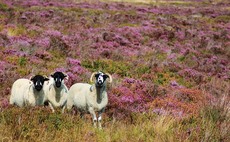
[(63, 100), (53, 101), (64, 106), (92, 112), (69, 103), (82, 115), (100, 118), (51, 106), (63, 109)]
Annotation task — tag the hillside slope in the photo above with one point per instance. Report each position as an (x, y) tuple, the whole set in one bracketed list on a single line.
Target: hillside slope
[(170, 63)]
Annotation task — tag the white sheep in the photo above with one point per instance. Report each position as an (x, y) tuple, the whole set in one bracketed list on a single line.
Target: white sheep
[(56, 91), (90, 98), (25, 92)]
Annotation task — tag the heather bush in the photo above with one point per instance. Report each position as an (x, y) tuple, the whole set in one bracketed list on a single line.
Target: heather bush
[(3, 6), (131, 96), (169, 61)]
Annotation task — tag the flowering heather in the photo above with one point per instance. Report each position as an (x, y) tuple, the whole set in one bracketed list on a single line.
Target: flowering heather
[(2, 66), (44, 42), (169, 61), (132, 95)]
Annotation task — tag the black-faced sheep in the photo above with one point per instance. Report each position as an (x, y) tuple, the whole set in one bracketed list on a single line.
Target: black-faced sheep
[(90, 98), (28, 92), (56, 91)]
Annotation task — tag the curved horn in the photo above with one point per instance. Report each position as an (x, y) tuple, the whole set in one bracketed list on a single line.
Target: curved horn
[(92, 76), (110, 77)]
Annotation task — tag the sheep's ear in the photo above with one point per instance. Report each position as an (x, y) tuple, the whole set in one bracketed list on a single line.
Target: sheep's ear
[(52, 74), (46, 79), (110, 77), (66, 76), (105, 76), (31, 78)]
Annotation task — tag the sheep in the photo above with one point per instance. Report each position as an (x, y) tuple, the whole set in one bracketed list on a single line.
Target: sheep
[(25, 92), (56, 91), (90, 98)]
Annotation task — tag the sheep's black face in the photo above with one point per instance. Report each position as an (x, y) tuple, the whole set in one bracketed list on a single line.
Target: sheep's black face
[(100, 79), (38, 82), (58, 78)]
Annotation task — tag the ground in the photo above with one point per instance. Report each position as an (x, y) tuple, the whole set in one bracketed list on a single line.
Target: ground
[(170, 62)]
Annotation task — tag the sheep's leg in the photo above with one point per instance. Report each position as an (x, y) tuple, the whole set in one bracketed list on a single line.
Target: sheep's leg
[(51, 106), (54, 103), (81, 115), (69, 104), (63, 100), (63, 109), (12, 99), (92, 112), (99, 121), (100, 118), (64, 106)]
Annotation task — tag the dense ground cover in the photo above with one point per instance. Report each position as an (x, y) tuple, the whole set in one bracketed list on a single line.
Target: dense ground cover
[(170, 63)]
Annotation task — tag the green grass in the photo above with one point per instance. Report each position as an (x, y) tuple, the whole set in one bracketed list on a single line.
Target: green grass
[(22, 61), (107, 65), (155, 2), (20, 30), (39, 124), (3, 7)]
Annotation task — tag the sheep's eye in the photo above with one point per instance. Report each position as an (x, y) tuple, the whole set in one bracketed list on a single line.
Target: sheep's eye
[(96, 75)]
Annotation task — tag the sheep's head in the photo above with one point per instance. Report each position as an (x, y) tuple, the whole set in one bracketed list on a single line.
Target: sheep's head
[(38, 81), (100, 78), (59, 78)]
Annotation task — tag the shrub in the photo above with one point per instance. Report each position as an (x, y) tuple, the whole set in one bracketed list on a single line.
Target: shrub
[(120, 68)]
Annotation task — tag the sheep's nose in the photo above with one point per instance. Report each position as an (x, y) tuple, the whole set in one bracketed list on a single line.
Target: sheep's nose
[(38, 88), (99, 81), (58, 84)]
